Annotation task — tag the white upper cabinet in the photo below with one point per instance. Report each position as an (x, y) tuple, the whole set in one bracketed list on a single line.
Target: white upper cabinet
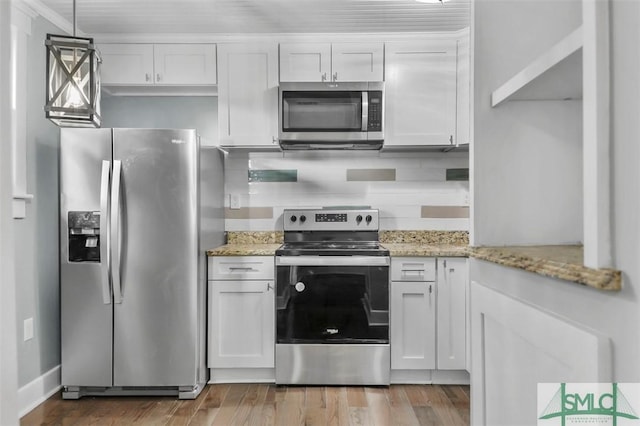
[(420, 93), (185, 63), (305, 62), (126, 64), (248, 94), (339, 62), (159, 64)]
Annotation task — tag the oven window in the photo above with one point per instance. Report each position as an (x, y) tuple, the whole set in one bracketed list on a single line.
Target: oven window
[(332, 304), (321, 111)]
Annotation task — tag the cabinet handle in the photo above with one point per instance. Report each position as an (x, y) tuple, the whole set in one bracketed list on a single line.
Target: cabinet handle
[(269, 286), (158, 77), (274, 140), (324, 76), (335, 76), (451, 139), (147, 77)]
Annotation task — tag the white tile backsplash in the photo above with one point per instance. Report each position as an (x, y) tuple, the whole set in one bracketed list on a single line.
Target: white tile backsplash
[(420, 181)]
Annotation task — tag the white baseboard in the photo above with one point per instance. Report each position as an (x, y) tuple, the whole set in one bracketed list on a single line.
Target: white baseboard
[(38, 390), (242, 375), (427, 377)]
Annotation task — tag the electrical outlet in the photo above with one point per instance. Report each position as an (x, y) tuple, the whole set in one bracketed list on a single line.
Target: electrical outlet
[(234, 201), (28, 329)]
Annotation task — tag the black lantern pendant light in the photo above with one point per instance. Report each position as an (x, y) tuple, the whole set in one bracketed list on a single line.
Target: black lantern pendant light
[(73, 80)]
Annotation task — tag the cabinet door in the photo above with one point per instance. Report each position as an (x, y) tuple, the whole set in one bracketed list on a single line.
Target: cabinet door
[(241, 324), (302, 62), (126, 64), (463, 88), (357, 62), (413, 327), (452, 313), (248, 94), (187, 64), (420, 91)]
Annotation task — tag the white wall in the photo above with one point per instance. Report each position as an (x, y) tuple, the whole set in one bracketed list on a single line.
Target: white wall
[(8, 353), (36, 236), (527, 155), (165, 112), (614, 315)]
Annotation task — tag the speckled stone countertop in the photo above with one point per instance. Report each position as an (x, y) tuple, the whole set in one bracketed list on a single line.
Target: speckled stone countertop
[(562, 262), (244, 250), (425, 243), (399, 243), (249, 243)]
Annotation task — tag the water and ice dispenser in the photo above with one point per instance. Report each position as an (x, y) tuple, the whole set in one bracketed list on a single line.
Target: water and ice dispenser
[(84, 236)]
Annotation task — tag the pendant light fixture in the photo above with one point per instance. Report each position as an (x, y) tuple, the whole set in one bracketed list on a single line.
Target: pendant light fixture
[(73, 80)]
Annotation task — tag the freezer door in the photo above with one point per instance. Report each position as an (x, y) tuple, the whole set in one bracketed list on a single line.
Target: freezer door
[(86, 320), (155, 323)]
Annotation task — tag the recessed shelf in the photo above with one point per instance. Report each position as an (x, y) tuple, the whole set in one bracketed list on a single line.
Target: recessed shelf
[(554, 75)]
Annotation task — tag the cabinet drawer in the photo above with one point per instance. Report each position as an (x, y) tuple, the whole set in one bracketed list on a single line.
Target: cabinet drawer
[(241, 268), (413, 269)]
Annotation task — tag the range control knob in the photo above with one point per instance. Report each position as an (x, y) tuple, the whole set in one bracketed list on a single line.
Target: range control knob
[(358, 218), (368, 219), (302, 218), (293, 218)]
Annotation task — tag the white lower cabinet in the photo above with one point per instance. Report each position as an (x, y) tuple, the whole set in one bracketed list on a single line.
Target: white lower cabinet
[(452, 313), (413, 315), (241, 313), (428, 320)]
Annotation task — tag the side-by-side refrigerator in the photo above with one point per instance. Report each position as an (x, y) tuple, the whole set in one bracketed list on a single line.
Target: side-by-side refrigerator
[(133, 285)]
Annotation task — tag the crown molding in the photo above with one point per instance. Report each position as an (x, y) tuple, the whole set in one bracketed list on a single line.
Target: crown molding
[(276, 37), (37, 8)]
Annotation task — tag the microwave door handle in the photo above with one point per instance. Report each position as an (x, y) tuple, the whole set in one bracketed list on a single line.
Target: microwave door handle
[(365, 110)]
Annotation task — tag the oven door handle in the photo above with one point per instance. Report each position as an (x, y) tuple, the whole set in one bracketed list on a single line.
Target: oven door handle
[(332, 261)]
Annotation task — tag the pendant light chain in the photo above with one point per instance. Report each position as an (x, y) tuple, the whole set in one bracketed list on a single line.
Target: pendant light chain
[(74, 18)]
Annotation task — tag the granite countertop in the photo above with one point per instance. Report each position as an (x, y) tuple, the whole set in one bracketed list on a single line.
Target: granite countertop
[(259, 249), (562, 262), (248, 243), (426, 250), (399, 243)]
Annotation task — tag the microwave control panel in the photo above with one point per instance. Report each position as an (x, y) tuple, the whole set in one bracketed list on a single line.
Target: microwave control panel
[(375, 111)]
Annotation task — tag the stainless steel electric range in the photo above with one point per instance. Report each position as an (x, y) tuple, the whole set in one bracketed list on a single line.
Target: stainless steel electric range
[(332, 299)]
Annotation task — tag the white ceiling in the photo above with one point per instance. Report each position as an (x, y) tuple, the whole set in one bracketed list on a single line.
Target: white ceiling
[(261, 16)]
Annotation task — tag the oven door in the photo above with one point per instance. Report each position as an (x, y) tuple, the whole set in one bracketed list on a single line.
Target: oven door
[(332, 299)]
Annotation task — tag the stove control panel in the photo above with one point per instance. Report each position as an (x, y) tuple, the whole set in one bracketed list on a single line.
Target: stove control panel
[(331, 220)]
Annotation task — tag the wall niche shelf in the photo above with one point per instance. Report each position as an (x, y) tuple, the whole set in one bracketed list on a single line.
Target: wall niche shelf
[(554, 75)]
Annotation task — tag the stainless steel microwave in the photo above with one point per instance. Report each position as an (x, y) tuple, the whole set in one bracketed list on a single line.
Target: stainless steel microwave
[(331, 115)]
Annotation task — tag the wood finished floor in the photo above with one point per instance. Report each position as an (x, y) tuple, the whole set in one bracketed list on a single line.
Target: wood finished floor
[(263, 404)]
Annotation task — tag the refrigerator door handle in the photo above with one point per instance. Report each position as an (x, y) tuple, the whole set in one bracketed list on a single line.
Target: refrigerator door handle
[(115, 231), (104, 235)]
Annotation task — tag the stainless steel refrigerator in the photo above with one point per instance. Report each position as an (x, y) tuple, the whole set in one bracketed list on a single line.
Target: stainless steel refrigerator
[(133, 284)]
